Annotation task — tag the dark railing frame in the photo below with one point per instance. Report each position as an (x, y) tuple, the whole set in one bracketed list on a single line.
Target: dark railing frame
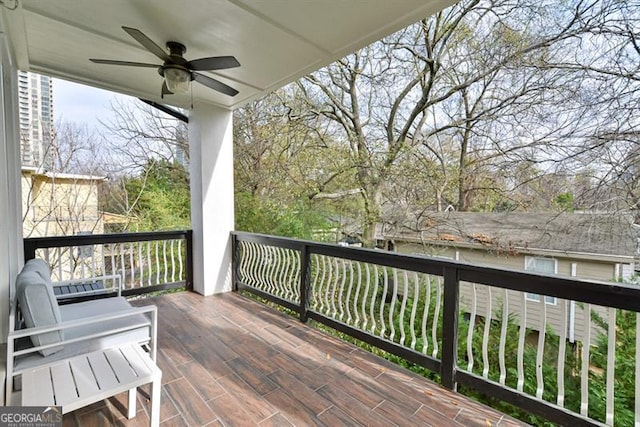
[(615, 295), (31, 245)]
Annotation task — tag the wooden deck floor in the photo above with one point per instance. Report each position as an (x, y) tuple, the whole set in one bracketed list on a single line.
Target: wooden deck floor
[(228, 361)]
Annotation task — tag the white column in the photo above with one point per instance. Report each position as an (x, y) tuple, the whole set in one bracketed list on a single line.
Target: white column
[(11, 252), (212, 216)]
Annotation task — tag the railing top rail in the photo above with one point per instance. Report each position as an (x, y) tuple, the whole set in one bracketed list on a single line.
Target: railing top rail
[(79, 240), (611, 294)]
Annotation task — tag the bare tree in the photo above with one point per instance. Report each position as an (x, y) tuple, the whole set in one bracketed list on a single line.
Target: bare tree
[(60, 197), (474, 91), (138, 132)]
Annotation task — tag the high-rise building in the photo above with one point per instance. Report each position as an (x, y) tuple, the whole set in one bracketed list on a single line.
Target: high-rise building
[(36, 119)]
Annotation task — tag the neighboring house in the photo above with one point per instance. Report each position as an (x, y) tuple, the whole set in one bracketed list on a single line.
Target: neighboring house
[(601, 247), (61, 204)]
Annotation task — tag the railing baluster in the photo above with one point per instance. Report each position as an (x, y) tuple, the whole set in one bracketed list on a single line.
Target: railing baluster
[(521, 337), (180, 262), (540, 350), (272, 253), (367, 278), (414, 309), (285, 261), (584, 372), (385, 287), (324, 281), (296, 272), (485, 336), (315, 285), (503, 336), (250, 266), (562, 352), (436, 318), (122, 252), (343, 279), (392, 306), (82, 263), (425, 314), (132, 265), (472, 325), (94, 271), (59, 258), (274, 256), (348, 304), (148, 246), (611, 364), (287, 266), (331, 308), (262, 267), (114, 268), (278, 253), (140, 265), (403, 307), (164, 260), (356, 298), (374, 294), (173, 262), (157, 262)]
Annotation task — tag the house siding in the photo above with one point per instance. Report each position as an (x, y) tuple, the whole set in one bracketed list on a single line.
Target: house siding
[(557, 315)]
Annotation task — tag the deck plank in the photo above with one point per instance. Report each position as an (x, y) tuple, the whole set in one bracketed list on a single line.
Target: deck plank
[(228, 360)]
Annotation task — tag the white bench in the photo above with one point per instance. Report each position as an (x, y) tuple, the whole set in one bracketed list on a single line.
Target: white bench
[(50, 333), (82, 380)]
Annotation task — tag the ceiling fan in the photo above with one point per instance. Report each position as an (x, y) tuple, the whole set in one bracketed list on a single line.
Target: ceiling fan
[(176, 70)]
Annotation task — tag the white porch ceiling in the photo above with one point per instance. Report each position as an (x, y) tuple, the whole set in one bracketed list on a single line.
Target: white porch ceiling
[(275, 41)]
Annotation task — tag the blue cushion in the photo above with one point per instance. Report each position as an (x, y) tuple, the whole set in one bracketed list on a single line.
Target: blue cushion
[(39, 307)]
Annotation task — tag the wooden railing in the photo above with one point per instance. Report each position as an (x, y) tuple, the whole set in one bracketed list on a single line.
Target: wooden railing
[(145, 262), (486, 329)]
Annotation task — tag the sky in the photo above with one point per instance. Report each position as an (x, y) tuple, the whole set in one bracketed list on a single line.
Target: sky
[(80, 104)]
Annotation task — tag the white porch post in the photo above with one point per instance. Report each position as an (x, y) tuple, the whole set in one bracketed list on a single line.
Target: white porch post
[(212, 216), (11, 252)]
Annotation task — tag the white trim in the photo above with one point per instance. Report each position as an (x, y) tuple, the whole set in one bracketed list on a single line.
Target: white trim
[(11, 257), (519, 250)]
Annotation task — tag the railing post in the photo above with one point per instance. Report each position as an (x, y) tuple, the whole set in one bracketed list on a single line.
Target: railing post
[(29, 250), (450, 328), (235, 263), (305, 283), (189, 260)]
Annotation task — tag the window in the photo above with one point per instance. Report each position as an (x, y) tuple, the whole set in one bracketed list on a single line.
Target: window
[(544, 266)]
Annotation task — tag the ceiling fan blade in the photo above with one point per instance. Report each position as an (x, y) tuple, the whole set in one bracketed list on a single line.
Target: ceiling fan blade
[(149, 44), (213, 63), (165, 90), (131, 64), (215, 84)]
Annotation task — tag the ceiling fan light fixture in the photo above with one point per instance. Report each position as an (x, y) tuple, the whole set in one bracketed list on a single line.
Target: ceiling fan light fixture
[(178, 80)]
